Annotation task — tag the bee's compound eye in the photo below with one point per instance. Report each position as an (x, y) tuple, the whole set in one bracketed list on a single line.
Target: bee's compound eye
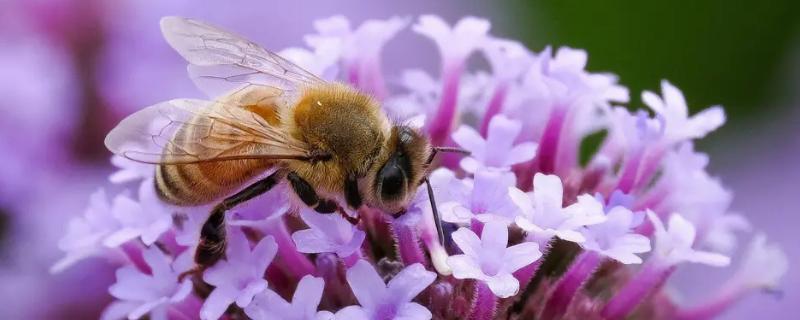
[(392, 180)]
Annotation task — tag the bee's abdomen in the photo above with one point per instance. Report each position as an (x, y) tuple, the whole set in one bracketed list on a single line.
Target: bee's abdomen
[(202, 183)]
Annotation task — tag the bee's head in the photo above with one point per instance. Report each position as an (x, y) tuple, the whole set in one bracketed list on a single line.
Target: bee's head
[(398, 177)]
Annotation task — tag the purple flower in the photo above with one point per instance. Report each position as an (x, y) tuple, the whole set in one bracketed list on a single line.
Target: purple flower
[(386, 301), (327, 233), (614, 238), (497, 151), (150, 294), (673, 245), (489, 260), (240, 276), (85, 234), (268, 305), (544, 218), (488, 198), (678, 125), (147, 218), (529, 111)]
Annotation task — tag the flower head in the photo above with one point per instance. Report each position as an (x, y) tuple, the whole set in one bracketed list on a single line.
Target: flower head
[(489, 259), (386, 301), (239, 277)]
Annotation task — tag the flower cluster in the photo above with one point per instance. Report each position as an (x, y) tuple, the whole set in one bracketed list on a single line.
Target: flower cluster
[(531, 230)]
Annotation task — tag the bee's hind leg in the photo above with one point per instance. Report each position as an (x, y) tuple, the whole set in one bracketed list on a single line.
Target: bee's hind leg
[(212, 235)]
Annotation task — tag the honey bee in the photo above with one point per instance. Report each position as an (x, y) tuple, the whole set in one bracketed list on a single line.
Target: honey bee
[(272, 121)]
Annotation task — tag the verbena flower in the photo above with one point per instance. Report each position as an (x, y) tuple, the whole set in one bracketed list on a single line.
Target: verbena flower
[(386, 301), (268, 305), (544, 218), (240, 277), (328, 233), (142, 293), (558, 238), (490, 260)]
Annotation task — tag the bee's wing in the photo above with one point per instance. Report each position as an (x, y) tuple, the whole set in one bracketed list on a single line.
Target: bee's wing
[(220, 61), (183, 131)]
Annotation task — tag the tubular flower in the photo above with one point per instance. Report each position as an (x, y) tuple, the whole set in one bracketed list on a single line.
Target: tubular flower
[(529, 230)]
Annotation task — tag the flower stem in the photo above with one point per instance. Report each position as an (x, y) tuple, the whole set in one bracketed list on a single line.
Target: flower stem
[(723, 300), (408, 244), (485, 303), (133, 251), (630, 171), (649, 279), (440, 126), (572, 280), (495, 106)]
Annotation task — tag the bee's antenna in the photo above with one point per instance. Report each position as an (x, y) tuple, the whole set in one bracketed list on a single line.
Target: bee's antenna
[(436, 218), (446, 149)]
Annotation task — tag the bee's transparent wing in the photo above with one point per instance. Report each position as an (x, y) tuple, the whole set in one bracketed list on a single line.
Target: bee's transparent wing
[(183, 131), (221, 61)]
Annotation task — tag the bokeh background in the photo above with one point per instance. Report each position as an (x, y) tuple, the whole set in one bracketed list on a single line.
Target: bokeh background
[(69, 69)]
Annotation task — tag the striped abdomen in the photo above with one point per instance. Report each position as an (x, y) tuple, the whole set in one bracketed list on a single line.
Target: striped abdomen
[(204, 182)]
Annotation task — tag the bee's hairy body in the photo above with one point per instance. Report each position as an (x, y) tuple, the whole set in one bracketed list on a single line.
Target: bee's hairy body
[(332, 118)]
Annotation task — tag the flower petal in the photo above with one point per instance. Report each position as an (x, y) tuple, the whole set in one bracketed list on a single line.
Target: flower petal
[(409, 283), (520, 255), (503, 285), (367, 285)]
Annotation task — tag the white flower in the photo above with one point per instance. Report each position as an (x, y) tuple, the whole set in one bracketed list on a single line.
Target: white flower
[(488, 259), (455, 43), (544, 218), (679, 126), (763, 265), (673, 245)]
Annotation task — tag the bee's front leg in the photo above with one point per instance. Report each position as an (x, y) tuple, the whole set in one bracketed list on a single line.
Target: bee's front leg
[(309, 196), (213, 236)]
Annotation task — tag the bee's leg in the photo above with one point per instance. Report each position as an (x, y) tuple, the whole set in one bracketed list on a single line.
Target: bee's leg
[(212, 235), (351, 193), (306, 192)]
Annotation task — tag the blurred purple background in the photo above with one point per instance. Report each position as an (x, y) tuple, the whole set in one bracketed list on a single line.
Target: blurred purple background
[(70, 69)]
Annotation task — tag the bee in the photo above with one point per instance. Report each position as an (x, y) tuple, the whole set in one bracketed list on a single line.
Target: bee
[(272, 121)]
